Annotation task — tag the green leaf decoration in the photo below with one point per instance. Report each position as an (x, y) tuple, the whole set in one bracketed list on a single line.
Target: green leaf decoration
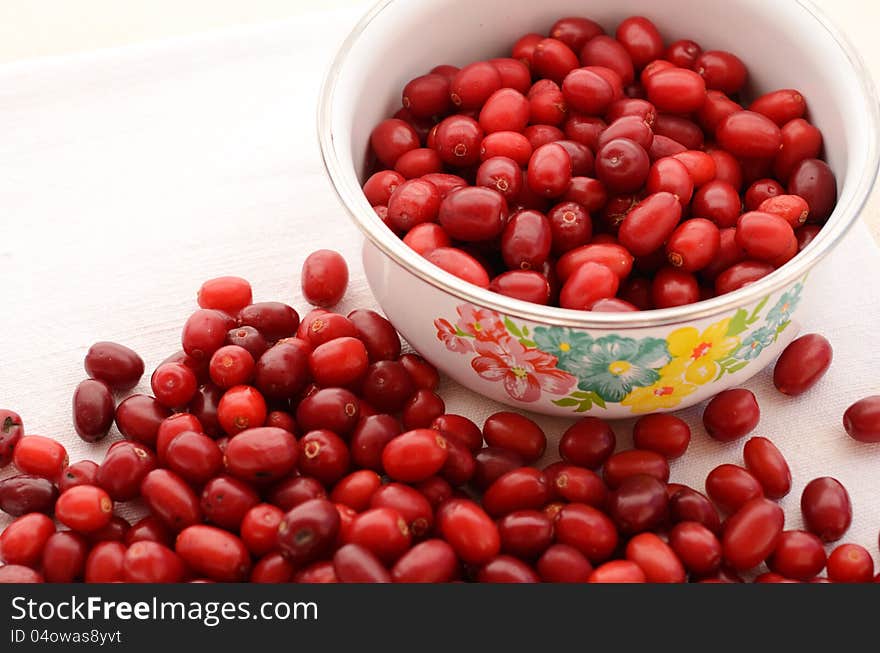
[(525, 330), (598, 400), (462, 334), (782, 327), (738, 323), (736, 368), (525, 342), (512, 328), (584, 407), (566, 402), (754, 316)]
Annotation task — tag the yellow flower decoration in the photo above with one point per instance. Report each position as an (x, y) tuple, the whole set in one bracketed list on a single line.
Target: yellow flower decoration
[(697, 352), (666, 393)]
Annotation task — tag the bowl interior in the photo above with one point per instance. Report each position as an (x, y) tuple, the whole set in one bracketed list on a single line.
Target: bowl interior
[(784, 43)]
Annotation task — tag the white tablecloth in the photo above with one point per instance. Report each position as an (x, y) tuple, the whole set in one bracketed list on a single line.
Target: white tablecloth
[(130, 176)]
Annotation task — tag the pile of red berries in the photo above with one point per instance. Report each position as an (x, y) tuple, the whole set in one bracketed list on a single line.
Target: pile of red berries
[(277, 449), (601, 173)]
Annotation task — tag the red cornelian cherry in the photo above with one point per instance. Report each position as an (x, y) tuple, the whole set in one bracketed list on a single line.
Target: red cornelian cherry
[(527, 285), (575, 31), (669, 174), (605, 52), (763, 236), (505, 110), (640, 38), (457, 141), (519, 489), (339, 362), (516, 433), (24, 493), (421, 409), (588, 530), (767, 464), (472, 86), (205, 332), (174, 385), (324, 456), (259, 528), (663, 433), (655, 558), (261, 454), (634, 462), (114, 364), (123, 470), (213, 552), (798, 555), (526, 240), (472, 214), (427, 96), (22, 541), (588, 284), (723, 71), (549, 170), (622, 165), (826, 508), (741, 274), (570, 226), (501, 174), (618, 571), (525, 533), (241, 407), (800, 141), (731, 486), (850, 563), (469, 531), (426, 237), (751, 534), (93, 410), (356, 489), (415, 455), (227, 294), (719, 202), (587, 443), (748, 134), (382, 531), (650, 223), (40, 456), (11, 431), (391, 138), (512, 145), (379, 187), (640, 503), (613, 256), (693, 245), (231, 365), (802, 364), (335, 409), (862, 419), (676, 90), (431, 561), (696, 546), (687, 504), (731, 414), (324, 277), (674, 287)]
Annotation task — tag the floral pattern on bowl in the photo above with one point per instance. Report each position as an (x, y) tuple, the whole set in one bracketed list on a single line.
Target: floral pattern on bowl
[(580, 372)]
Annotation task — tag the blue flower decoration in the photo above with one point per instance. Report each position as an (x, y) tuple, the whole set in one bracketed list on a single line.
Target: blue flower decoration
[(781, 313), (567, 345), (753, 345), (613, 366)]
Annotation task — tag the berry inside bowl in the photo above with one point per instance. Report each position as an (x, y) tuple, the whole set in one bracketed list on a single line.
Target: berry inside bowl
[(554, 359)]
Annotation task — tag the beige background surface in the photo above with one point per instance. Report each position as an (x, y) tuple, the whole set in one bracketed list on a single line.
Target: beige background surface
[(38, 28)]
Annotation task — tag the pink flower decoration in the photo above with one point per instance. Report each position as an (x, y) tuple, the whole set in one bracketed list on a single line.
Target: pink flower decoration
[(524, 372), (480, 323), (446, 334)]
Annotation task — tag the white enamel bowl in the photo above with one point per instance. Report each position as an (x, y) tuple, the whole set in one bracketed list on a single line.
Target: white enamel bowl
[(564, 362)]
